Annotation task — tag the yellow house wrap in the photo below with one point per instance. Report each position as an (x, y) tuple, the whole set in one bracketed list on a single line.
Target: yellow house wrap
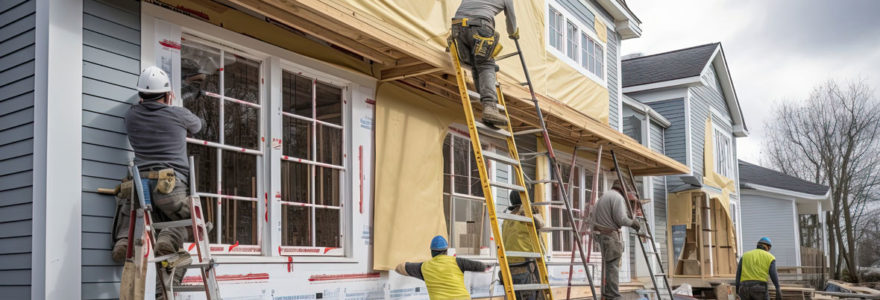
[(430, 21)]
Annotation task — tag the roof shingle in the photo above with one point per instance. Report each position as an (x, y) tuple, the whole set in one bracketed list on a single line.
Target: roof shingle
[(750, 173), (666, 66)]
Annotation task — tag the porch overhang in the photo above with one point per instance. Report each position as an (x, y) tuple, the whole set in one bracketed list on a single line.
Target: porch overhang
[(406, 60)]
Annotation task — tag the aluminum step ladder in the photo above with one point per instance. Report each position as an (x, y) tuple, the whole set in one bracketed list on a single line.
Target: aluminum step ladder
[(476, 129), (645, 233), (145, 249)]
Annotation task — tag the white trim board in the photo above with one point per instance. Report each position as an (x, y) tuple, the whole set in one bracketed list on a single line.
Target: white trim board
[(56, 260), (784, 192), (687, 81)]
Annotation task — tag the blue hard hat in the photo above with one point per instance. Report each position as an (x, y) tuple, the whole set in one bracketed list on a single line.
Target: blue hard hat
[(765, 240), (439, 243)]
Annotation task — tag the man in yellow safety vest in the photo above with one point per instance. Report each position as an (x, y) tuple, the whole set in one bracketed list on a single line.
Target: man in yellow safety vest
[(752, 272), (443, 274), (516, 237)]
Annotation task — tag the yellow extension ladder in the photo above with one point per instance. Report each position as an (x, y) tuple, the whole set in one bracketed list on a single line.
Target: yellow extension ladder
[(476, 129)]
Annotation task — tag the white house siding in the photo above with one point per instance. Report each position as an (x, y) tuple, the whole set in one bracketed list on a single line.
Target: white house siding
[(773, 218), (17, 51), (111, 64)]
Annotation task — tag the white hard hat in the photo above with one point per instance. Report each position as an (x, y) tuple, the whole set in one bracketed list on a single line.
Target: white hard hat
[(153, 80)]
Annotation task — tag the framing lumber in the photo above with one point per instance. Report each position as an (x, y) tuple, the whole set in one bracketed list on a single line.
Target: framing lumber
[(410, 71), (316, 30)]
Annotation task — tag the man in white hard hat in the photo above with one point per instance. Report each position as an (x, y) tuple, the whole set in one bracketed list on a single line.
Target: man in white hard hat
[(157, 133)]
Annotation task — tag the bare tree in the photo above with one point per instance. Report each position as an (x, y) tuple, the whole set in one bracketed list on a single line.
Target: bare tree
[(832, 138)]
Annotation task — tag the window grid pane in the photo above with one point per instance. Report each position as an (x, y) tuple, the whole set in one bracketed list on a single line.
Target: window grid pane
[(572, 41), (312, 175), (222, 88)]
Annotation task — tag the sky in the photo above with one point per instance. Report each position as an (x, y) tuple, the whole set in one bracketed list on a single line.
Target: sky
[(777, 50)]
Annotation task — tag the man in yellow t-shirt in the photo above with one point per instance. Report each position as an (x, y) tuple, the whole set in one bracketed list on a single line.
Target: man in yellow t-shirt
[(752, 272), (517, 237), (443, 274)]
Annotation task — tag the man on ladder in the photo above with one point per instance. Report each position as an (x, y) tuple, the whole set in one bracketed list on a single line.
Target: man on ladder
[(157, 132), (473, 27), (609, 215)]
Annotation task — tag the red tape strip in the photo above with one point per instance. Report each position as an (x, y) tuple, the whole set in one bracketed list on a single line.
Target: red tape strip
[(233, 246), (289, 264)]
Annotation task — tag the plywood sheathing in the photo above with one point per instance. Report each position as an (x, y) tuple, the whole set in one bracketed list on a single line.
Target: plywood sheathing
[(414, 63)]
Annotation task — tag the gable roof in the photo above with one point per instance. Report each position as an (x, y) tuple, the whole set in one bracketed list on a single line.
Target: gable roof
[(751, 174), (667, 66)]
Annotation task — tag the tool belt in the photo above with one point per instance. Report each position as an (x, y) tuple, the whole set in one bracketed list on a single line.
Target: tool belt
[(467, 22), (166, 179), (605, 230)]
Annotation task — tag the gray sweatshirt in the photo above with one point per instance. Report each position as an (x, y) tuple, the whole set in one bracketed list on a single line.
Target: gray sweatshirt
[(487, 9), (157, 133), (611, 212)]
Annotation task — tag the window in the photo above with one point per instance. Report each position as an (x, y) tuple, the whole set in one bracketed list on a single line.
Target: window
[(465, 209), (312, 164), (572, 42), (578, 44), (222, 87), (556, 37), (724, 159)]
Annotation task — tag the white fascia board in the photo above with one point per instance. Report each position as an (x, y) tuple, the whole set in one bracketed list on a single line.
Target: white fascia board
[(719, 60), (686, 82), (625, 22), (642, 108), (788, 193)]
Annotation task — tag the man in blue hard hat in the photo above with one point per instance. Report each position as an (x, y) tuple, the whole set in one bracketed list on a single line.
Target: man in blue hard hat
[(443, 274), (752, 272)]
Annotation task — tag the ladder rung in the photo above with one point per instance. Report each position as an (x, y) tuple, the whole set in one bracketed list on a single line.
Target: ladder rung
[(507, 186), (172, 224), (568, 263), (474, 96), (189, 288), (551, 229), (572, 284), (506, 216), (523, 254), (660, 274), (524, 83), (542, 203), (497, 132), (542, 181), (529, 131), (531, 287), (501, 158), (504, 56)]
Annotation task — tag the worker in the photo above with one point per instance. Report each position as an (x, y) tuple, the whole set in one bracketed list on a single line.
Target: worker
[(516, 237), (443, 274), (473, 29), (609, 215), (157, 132), (752, 271)]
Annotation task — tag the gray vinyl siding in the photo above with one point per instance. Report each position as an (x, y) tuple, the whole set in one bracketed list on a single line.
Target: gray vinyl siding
[(579, 11), (17, 51), (704, 99), (632, 127), (675, 136), (111, 63), (773, 218), (613, 76), (712, 93), (699, 113), (659, 195)]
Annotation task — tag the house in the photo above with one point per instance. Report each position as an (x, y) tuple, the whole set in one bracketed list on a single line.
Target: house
[(788, 210), (683, 103), (334, 145)]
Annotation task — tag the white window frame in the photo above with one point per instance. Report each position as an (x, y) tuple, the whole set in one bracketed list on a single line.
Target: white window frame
[(552, 30), (273, 58), (585, 168), (456, 132), (345, 169), (561, 53), (727, 170), (572, 47), (220, 146)]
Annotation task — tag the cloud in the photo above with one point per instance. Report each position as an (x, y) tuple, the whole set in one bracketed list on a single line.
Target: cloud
[(776, 50)]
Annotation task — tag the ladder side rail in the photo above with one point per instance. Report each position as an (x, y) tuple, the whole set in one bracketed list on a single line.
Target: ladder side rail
[(635, 219), (200, 237), (507, 281), (653, 244), (147, 207), (526, 201), (552, 156)]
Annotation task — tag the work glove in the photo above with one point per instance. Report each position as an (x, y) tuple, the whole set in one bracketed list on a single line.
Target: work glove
[(635, 225), (514, 35)]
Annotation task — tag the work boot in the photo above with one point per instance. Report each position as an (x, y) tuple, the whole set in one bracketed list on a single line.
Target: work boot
[(491, 115), (165, 246), (120, 249)]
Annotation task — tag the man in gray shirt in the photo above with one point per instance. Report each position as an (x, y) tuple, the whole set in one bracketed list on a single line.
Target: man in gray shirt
[(609, 215), (473, 30), (157, 133)]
